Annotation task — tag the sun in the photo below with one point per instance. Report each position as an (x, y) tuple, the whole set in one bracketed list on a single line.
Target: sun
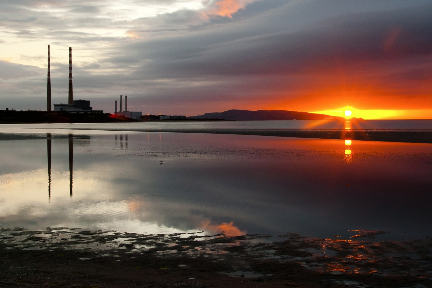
[(348, 113)]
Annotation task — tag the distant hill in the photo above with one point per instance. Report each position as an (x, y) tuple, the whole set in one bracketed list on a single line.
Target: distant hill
[(246, 115)]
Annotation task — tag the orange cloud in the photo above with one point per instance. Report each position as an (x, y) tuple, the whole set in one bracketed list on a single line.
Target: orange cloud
[(226, 8), (227, 228), (133, 34)]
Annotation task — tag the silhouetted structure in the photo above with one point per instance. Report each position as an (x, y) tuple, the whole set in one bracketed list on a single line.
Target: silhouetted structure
[(125, 113), (49, 82), (70, 94)]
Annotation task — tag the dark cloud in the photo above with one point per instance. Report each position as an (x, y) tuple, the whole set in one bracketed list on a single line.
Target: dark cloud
[(271, 51), (16, 71), (86, 9), (349, 39)]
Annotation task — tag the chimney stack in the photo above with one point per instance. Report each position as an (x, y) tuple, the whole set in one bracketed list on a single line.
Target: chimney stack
[(70, 94), (49, 82), (115, 106), (126, 103), (121, 102)]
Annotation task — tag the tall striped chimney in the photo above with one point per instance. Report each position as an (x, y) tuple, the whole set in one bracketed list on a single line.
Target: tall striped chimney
[(70, 94), (126, 103), (121, 98), (115, 106), (49, 82)]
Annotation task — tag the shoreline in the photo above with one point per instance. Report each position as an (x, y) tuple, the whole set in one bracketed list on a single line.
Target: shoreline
[(361, 135), (83, 258)]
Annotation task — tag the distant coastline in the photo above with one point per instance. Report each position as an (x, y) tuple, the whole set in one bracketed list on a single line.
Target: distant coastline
[(260, 115), (22, 117), (29, 117)]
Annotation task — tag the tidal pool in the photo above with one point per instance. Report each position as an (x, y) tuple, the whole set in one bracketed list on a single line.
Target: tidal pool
[(158, 183)]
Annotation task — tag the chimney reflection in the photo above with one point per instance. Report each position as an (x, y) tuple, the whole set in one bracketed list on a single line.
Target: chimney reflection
[(123, 141), (49, 141), (49, 158), (71, 164)]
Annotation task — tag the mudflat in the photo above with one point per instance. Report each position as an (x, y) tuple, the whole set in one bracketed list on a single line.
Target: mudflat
[(62, 257)]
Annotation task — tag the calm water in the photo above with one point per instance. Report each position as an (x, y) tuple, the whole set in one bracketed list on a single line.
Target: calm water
[(400, 125), (172, 182)]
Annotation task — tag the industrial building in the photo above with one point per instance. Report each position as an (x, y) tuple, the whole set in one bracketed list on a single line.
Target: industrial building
[(125, 113), (75, 106), (83, 106)]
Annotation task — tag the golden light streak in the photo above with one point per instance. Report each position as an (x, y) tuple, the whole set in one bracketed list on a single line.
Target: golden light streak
[(378, 113)]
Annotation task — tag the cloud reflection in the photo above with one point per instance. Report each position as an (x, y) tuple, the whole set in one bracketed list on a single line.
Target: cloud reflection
[(227, 229), (230, 183)]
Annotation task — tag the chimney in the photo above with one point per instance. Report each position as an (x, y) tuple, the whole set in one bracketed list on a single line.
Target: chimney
[(121, 103), (49, 82), (126, 103), (115, 107), (70, 94)]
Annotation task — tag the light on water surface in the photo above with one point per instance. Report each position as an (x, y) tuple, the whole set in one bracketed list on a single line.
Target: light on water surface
[(174, 182)]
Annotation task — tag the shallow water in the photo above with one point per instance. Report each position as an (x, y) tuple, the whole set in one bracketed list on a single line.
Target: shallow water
[(386, 125), (172, 182)]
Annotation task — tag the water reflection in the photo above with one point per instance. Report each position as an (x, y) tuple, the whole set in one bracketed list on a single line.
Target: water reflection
[(71, 150), (348, 157), (49, 152), (124, 141), (229, 183), (49, 142), (71, 162), (348, 152)]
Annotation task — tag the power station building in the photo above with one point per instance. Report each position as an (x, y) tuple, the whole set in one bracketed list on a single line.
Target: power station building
[(76, 106), (83, 106), (125, 113)]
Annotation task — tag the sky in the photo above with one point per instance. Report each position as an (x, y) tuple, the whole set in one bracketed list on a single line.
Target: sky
[(189, 57)]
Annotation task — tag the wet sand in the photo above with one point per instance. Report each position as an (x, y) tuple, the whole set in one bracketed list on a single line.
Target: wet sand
[(363, 135), (413, 136), (63, 257)]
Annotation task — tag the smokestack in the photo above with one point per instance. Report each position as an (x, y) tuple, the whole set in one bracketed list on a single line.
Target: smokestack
[(121, 103), (70, 95), (115, 107), (126, 103), (49, 82)]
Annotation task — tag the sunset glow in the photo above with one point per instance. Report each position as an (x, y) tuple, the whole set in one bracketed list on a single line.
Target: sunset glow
[(190, 57), (366, 114)]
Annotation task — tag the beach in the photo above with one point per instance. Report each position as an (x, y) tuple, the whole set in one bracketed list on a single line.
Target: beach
[(81, 258), (175, 206)]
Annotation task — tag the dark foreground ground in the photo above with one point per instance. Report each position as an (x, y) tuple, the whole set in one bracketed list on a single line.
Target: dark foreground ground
[(63, 257)]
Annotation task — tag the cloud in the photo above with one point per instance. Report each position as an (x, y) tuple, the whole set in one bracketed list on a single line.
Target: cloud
[(227, 229), (192, 56), (226, 8), (10, 71)]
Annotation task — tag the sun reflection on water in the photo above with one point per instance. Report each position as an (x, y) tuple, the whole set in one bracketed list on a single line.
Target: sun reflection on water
[(348, 157)]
